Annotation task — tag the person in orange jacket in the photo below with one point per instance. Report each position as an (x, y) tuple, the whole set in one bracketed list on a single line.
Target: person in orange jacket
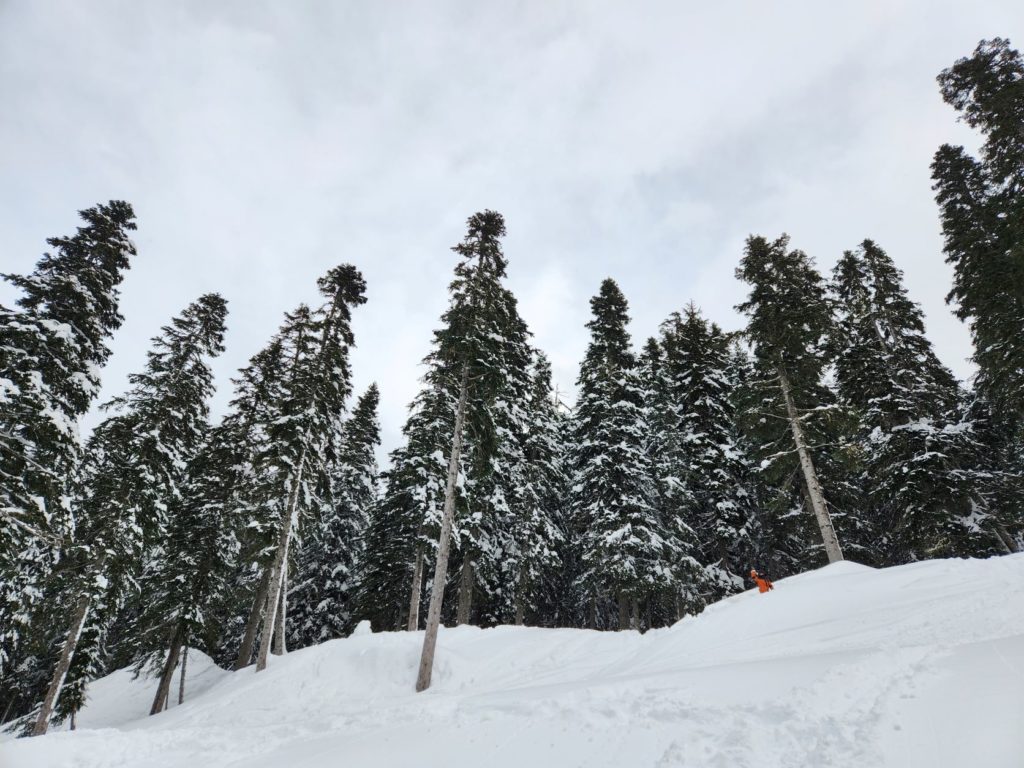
[(763, 583)]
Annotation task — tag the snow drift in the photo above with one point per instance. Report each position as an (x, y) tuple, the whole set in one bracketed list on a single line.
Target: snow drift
[(921, 665)]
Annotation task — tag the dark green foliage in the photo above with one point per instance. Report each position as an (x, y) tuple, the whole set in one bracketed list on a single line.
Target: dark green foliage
[(981, 204)]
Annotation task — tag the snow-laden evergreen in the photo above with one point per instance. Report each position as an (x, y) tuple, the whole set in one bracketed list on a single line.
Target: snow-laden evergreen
[(919, 450), (52, 347), (131, 484), (332, 552), (625, 556), (791, 419)]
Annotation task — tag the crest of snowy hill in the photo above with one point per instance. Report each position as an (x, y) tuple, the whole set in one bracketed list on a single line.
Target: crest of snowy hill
[(921, 665)]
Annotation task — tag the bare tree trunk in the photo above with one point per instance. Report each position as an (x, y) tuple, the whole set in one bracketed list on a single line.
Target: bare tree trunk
[(63, 664), (444, 544), (592, 612), (623, 611), (74, 715), (181, 680), (277, 568), (1005, 538), (521, 598), (465, 606), (416, 593), (259, 605), (279, 648), (828, 533), (162, 690)]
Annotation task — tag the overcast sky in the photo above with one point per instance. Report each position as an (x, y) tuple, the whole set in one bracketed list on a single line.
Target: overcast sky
[(262, 143)]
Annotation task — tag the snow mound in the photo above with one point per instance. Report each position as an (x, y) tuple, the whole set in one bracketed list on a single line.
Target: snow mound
[(845, 666)]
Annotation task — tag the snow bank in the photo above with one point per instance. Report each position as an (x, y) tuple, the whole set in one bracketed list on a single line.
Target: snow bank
[(846, 666)]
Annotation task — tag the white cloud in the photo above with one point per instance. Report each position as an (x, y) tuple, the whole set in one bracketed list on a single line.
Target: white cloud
[(261, 143)]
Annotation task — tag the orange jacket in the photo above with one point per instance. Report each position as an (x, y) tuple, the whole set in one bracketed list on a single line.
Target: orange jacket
[(763, 584)]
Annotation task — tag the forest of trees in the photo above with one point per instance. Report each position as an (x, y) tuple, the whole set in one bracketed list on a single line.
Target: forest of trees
[(826, 429)]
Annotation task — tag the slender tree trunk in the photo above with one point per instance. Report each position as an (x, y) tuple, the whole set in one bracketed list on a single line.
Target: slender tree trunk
[(74, 715), (623, 611), (444, 544), (288, 519), (1005, 538), (416, 592), (279, 648), (63, 664), (466, 580), (167, 675), (592, 612), (521, 597), (181, 680), (817, 498), (259, 605)]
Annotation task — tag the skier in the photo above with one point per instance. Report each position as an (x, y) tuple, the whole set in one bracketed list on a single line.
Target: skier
[(763, 583)]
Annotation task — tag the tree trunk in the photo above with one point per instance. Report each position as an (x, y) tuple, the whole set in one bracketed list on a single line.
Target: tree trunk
[(623, 611), (73, 716), (163, 690), (592, 612), (279, 648), (521, 598), (416, 593), (1005, 538), (634, 614), (181, 680), (444, 544), (277, 569), (259, 605), (63, 664), (828, 533), (466, 580)]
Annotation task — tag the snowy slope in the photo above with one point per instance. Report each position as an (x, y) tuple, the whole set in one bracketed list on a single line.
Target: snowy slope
[(847, 666)]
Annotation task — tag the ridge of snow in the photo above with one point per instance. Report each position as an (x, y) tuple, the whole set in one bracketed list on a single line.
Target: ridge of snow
[(921, 665)]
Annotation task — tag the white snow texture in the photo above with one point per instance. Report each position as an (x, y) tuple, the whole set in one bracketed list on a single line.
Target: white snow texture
[(921, 665)]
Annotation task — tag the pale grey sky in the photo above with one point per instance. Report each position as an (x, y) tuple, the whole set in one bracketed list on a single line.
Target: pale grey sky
[(263, 142)]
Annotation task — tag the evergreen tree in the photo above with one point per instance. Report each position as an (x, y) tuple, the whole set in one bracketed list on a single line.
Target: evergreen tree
[(292, 467), (621, 538), (131, 481), (918, 450), (789, 324), (981, 205), (51, 351), (332, 554), (713, 469), (537, 533)]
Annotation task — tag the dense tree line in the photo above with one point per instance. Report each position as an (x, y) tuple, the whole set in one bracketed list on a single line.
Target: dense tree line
[(826, 429)]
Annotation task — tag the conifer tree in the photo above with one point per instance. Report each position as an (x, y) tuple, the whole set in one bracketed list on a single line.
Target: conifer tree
[(52, 348), (292, 467), (480, 353), (919, 452), (131, 481), (788, 328), (332, 554), (621, 538), (981, 202), (713, 467), (537, 533)]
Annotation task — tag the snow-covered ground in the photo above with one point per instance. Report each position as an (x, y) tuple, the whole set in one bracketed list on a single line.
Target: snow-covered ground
[(847, 666)]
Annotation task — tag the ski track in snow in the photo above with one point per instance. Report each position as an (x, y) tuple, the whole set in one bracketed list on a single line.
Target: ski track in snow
[(921, 665)]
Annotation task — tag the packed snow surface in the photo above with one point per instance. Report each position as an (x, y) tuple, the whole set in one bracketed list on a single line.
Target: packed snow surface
[(921, 665)]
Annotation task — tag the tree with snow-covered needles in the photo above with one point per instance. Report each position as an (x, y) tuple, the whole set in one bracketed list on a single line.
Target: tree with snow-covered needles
[(52, 348), (302, 439), (332, 552), (788, 329), (623, 543), (131, 484)]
